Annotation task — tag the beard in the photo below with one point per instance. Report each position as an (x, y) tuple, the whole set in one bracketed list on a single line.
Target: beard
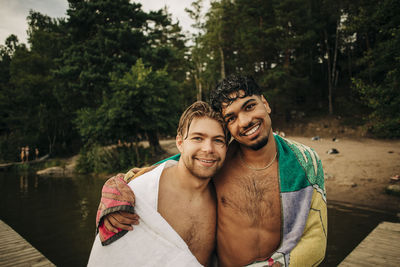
[(198, 171), (201, 175), (260, 144)]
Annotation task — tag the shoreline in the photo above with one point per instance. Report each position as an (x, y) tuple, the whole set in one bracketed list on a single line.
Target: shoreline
[(360, 173)]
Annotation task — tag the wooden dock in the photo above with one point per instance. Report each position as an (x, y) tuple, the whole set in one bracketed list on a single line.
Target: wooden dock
[(16, 251), (380, 248)]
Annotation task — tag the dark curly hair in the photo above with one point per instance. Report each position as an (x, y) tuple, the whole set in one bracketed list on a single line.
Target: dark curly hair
[(228, 90)]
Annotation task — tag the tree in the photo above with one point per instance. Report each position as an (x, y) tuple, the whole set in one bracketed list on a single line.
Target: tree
[(6, 53), (377, 27), (9, 137), (36, 113), (166, 49), (197, 51), (143, 102), (103, 37)]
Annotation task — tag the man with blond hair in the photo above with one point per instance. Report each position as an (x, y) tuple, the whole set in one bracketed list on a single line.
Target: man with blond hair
[(168, 200)]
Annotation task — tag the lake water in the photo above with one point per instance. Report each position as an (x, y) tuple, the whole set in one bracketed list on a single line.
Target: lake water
[(57, 216)]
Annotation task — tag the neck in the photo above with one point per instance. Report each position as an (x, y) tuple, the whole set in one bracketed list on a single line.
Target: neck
[(185, 180), (259, 158)]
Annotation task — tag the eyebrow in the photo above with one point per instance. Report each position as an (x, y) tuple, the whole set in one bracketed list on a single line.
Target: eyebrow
[(242, 107), (202, 134)]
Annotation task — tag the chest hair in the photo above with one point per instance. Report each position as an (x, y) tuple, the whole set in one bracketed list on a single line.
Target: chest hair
[(253, 195)]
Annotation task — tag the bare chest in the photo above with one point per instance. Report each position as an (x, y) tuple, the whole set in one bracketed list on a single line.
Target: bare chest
[(252, 195), (195, 224)]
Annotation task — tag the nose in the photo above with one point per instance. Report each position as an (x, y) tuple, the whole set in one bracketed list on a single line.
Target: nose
[(208, 146), (244, 120)]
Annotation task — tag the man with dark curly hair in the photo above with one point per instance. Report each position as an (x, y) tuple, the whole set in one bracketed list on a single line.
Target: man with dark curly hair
[(271, 194), (271, 199)]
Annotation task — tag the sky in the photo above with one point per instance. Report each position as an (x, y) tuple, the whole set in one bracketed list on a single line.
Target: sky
[(13, 13)]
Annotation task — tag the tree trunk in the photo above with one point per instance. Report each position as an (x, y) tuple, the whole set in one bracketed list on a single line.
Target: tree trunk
[(334, 72), (51, 143), (287, 59), (328, 60), (349, 62), (154, 142), (137, 151), (368, 51), (287, 50), (198, 87), (221, 52)]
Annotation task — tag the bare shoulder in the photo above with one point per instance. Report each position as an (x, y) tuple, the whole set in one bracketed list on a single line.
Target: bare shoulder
[(166, 183)]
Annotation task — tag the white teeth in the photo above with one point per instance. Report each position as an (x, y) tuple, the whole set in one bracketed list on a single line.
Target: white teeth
[(253, 130), (207, 161)]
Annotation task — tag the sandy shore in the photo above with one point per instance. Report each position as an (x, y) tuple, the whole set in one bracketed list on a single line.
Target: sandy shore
[(358, 175)]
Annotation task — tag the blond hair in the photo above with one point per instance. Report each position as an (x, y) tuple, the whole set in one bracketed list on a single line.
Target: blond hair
[(200, 109)]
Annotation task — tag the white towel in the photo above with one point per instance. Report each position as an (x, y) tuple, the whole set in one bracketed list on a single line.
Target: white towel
[(151, 243)]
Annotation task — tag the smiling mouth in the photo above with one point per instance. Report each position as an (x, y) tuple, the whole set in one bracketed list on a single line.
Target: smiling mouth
[(251, 131), (207, 160)]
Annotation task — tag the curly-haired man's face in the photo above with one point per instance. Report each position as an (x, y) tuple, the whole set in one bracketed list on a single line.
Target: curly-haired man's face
[(248, 120)]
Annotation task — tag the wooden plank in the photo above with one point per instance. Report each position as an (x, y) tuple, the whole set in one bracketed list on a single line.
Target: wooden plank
[(380, 248), (16, 251)]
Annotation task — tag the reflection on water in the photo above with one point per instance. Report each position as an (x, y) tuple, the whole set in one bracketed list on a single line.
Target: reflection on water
[(347, 227), (84, 209), (57, 216)]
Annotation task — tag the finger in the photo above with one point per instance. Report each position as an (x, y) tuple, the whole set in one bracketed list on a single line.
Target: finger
[(117, 223), (109, 226), (123, 218), (135, 219), (128, 215)]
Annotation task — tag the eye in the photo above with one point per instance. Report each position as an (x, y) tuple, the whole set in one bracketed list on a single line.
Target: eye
[(219, 141), (230, 119), (197, 138), (250, 106)]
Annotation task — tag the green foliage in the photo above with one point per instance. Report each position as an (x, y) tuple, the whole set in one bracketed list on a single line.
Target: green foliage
[(379, 76), (103, 37), (22, 168), (384, 101), (67, 69), (80, 77), (31, 112), (98, 159), (143, 101), (56, 162)]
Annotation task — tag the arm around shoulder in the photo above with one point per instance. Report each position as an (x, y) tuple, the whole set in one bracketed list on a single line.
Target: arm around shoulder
[(116, 196)]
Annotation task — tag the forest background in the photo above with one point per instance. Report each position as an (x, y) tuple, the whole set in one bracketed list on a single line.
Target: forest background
[(110, 72)]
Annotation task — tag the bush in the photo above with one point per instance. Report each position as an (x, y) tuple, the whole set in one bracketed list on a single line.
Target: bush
[(98, 159), (384, 101)]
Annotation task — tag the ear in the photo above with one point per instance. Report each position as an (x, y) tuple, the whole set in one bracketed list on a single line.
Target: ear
[(179, 143), (266, 105)]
